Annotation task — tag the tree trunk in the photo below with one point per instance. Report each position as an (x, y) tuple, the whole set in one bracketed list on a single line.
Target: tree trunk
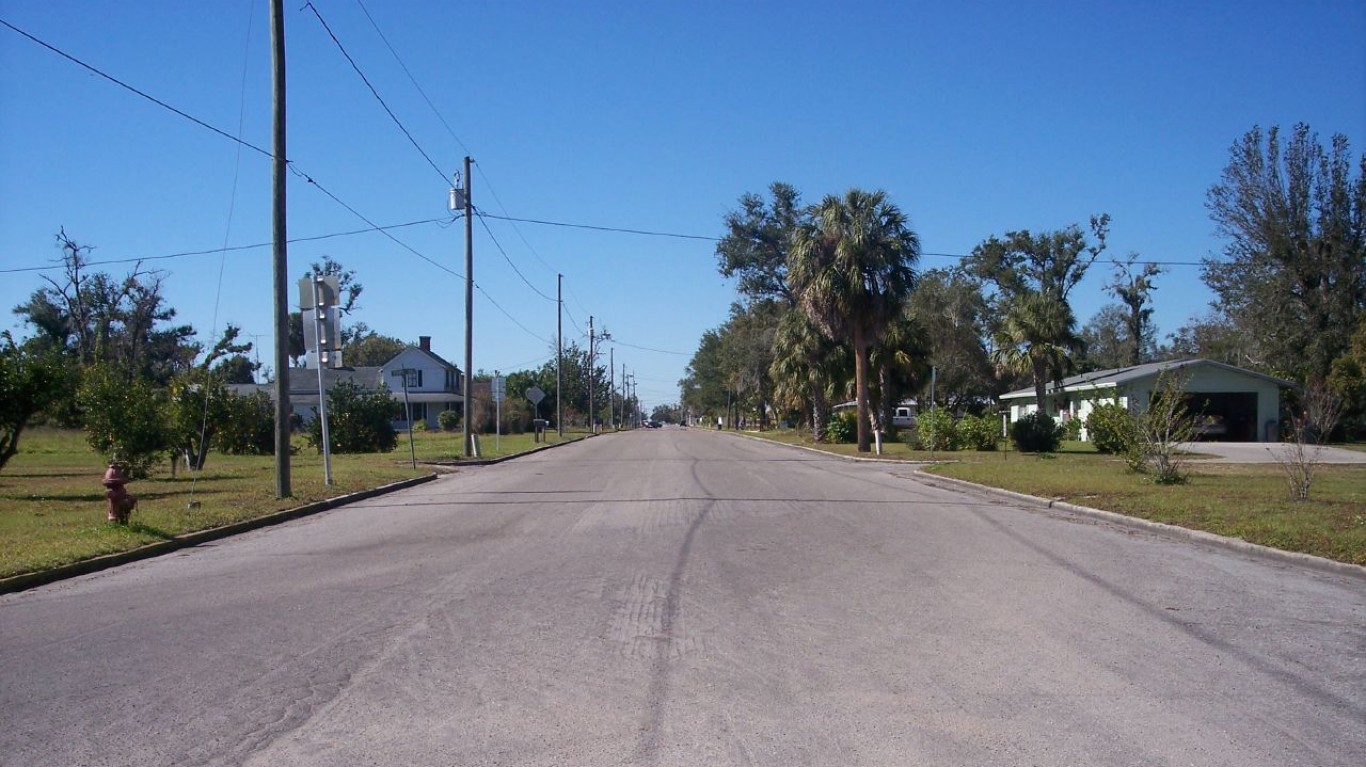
[(820, 410), (861, 391), (1041, 387)]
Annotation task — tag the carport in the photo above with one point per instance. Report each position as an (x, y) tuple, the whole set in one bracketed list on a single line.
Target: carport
[(1232, 404)]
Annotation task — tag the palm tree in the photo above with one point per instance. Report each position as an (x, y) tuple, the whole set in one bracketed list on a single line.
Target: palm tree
[(1037, 339), (805, 369), (852, 268)]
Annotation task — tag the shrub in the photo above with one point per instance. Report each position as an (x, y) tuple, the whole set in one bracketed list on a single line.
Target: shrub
[(359, 420), (420, 424), (1036, 433), (125, 418), (249, 427), (937, 430), (979, 432), (843, 428), (448, 420), (1071, 429), (1111, 428)]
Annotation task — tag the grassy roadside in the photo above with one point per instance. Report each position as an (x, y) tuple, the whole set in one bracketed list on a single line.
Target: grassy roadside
[(1248, 501), (52, 503)]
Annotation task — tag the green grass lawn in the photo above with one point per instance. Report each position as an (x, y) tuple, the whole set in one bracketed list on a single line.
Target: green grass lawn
[(52, 508), (1248, 501)]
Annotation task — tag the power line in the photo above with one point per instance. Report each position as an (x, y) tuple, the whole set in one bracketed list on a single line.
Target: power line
[(215, 251), (508, 314), (412, 79), (143, 94), (534, 289), (515, 228), (375, 93), (373, 225), (646, 348), (620, 230)]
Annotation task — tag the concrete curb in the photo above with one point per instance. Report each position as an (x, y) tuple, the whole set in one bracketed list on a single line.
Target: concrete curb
[(85, 567), (492, 461), (1200, 536)]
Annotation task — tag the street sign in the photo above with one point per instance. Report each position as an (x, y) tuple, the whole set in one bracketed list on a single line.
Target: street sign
[(499, 388), (535, 395)]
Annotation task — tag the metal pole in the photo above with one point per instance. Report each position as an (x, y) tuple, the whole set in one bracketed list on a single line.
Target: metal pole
[(592, 419), (612, 388), (469, 308), (408, 413), (559, 353), (319, 313), (280, 253)]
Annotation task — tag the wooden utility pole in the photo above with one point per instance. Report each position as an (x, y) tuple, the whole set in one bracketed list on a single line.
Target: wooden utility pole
[(592, 417), (280, 254), (469, 309), (559, 353)]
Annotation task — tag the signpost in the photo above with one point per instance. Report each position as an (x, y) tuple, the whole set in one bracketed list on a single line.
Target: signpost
[(498, 386), (536, 395), (318, 296), (407, 374)]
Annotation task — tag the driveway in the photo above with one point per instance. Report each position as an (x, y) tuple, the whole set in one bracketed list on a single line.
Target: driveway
[(1268, 452)]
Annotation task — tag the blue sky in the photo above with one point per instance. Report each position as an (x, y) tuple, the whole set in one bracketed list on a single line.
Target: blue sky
[(976, 118)]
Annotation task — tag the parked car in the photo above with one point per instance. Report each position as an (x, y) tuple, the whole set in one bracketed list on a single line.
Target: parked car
[(903, 417)]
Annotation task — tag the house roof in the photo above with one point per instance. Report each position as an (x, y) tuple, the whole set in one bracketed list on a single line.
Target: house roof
[(304, 381), (436, 357), (1108, 379)]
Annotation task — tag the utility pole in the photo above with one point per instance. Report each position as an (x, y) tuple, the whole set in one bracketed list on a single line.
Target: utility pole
[(280, 252), (612, 388), (592, 419), (469, 310), (559, 353)]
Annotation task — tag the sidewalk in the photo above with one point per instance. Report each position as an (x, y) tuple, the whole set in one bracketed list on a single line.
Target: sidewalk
[(1268, 452)]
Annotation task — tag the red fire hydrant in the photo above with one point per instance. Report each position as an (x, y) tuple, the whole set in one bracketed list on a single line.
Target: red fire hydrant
[(121, 504)]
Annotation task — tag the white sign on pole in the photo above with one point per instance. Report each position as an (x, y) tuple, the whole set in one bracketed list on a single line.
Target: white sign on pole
[(499, 388)]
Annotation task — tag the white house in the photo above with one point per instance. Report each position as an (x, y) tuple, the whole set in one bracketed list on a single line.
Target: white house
[(433, 384), (1234, 404)]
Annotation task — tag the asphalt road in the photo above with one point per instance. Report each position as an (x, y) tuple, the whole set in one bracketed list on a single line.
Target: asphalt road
[(675, 597)]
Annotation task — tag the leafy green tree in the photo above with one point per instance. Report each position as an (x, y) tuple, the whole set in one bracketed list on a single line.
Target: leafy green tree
[(1032, 276), (248, 428), (32, 379), (1038, 338), (1347, 381), (1105, 340), (237, 369), (755, 248), (949, 308), (124, 417), (96, 318), (851, 268), (748, 354), (1293, 275), (704, 387), (197, 407), (359, 420), (370, 349), (1134, 287), (806, 370), (937, 430)]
